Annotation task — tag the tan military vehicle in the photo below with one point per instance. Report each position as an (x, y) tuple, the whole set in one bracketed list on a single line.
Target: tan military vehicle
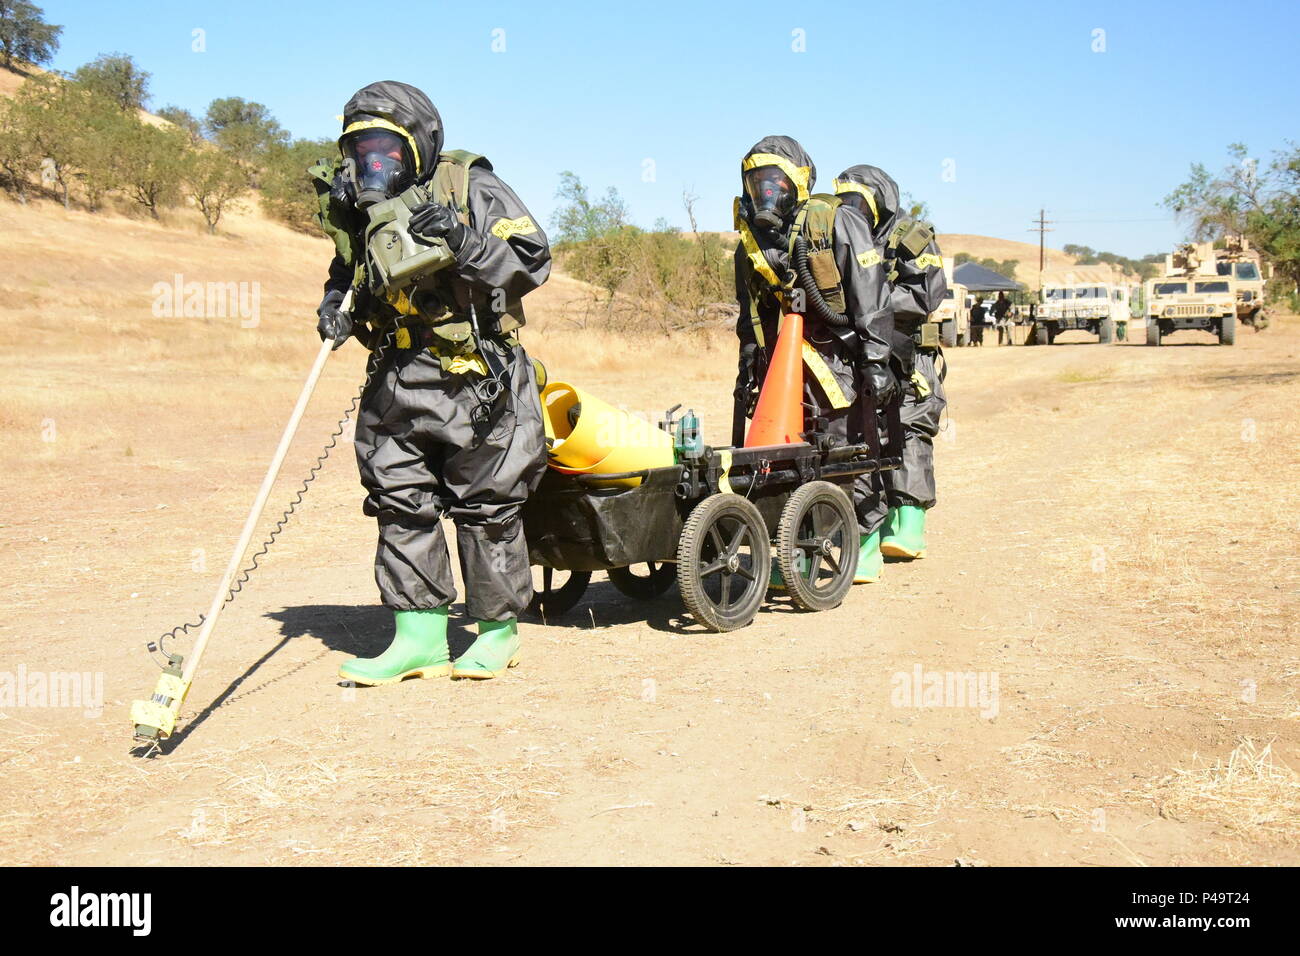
[(1238, 260), (1192, 295)]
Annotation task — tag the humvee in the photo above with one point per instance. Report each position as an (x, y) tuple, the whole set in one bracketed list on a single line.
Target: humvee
[(1096, 307), (1192, 295), (953, 315), (1239, 261)]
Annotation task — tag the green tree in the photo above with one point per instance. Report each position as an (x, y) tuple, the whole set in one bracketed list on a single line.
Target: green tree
[(183, 119), (153, 163), (287, 192), (117, 77), (102, 153), (24, 34), (63, 120), (579, 218), (912, 208), (243, 128), (213, 180), (1259, 203), (18, 156)]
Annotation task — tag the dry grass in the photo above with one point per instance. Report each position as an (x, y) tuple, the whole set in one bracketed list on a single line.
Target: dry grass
[(1251, 794)]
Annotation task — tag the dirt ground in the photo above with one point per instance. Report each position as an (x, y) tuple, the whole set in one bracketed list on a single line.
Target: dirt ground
[(1114, 546)]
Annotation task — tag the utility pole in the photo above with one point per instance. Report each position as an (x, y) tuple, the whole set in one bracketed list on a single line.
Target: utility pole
[(1040, 227)]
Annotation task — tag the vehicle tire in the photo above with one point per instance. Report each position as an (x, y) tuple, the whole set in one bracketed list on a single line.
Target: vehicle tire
[(1052, 332), (1153, 332), (817, 545), (1228, 329), (963, 339), (724, 562), (948, 334), (1040, 335), (551, 600), (1106, 332), (659, 577)]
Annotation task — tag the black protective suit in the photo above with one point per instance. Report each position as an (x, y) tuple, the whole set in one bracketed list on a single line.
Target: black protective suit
[(427, 445), (866, 300), (917, 290)]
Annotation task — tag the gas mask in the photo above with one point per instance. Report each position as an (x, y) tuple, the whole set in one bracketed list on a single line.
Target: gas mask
[(772, 197), (380, 162), (859, 202)]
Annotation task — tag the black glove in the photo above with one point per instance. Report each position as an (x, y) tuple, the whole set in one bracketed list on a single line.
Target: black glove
[(431, 220), (334, 324), (747, 373), (341, 191), (882, 383)]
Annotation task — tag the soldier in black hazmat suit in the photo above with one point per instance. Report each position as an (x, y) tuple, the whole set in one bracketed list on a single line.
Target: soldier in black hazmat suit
[(450, 425)]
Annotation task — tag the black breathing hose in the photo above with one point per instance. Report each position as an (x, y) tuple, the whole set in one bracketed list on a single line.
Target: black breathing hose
[(820, 307)]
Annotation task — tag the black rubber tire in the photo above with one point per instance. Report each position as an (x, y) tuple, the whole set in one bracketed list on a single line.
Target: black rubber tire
[(948, 334), (1106, 332), (1041, 336), (644, 587), (1153, 331), (819, 524), (1228, 330), (712, 547), (550, 601)]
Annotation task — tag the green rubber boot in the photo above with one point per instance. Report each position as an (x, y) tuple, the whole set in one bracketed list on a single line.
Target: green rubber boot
[(776, 582), (496, 649), (870, 562), (904, 532), (419, 649)]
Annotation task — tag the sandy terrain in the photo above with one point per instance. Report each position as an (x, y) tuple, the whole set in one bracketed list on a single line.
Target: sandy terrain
[(1114, 544)]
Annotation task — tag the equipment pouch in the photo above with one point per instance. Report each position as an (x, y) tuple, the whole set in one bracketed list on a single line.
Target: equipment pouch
[(916, 238), (827, 276)]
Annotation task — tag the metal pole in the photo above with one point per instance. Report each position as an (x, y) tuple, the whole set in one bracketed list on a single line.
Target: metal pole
[(259, 504)]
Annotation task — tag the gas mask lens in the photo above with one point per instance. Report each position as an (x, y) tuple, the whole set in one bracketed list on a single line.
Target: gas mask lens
[(771, 193), (858, 202), (382, 163)]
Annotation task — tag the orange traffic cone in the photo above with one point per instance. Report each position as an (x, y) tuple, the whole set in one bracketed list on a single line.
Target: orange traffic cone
[(778, 417)]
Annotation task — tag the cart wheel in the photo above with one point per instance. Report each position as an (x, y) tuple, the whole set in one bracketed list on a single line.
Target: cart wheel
[(723, 562), (817, 545), (550, 600), (644, 587)]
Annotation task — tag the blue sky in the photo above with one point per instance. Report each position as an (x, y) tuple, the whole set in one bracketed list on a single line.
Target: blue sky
[(1009, 100)]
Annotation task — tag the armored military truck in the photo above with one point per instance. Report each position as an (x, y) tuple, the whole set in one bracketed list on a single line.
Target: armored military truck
[(1192, 295), (1242, 263), (953, 315), (1096, 307)]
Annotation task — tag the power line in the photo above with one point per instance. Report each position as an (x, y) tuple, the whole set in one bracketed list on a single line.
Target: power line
[(1164, 219)]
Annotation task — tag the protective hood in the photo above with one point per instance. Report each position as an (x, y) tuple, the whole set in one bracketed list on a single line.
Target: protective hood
[(795, 166), (880, 191), (402, 109)]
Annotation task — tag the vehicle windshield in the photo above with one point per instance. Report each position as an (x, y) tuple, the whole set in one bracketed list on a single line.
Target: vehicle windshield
[(1211, 287), (1090, 292), (1169, 288), (1059, 293), (1247, 270)]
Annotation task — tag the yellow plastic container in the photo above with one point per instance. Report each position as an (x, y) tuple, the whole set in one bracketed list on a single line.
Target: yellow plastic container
[(601, 440)]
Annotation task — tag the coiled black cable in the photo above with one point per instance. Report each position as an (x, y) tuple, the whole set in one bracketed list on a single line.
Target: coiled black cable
[(821, 308), (241, 579)]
